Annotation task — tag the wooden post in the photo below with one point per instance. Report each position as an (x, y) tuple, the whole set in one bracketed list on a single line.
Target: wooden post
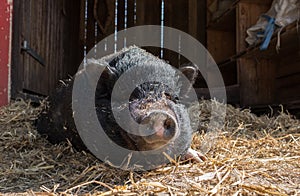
[(5, 49), (256, 75)]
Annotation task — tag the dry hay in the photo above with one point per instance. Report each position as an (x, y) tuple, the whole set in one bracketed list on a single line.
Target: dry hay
[(251, 156)]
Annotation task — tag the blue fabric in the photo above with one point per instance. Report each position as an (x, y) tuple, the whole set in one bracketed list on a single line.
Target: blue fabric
[(268, 32)]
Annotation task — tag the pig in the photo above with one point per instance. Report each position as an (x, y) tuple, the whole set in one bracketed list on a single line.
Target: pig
[(155, 104)]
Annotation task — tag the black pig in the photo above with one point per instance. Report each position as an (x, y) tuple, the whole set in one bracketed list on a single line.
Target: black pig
[(155, 104)]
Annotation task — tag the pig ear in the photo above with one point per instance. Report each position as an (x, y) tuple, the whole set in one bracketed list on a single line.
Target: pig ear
[(191, 72)]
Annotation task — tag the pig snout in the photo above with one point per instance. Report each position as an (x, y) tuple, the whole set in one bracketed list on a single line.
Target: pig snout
[(158, 123), (163, 126)]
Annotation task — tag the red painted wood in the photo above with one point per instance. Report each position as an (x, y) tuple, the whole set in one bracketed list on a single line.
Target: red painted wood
[(5, 41)]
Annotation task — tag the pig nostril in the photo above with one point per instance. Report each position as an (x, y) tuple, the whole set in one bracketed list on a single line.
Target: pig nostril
[(170, 128)]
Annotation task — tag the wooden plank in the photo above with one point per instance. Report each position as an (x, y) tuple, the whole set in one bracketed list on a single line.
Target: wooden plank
[(288, 81), (176, 19), (131, 13), (193, 18), (16, 68), (140, 12), (82, 22), (288, 65), (26, 30), (288, 94), (229, 74), (196, 23), (121, 22), (105, 12), (256, 77), (46, 26), (247, 15), (259, 2), (232, 93), (211, 6), (221, 45), (226, 22), (102, 17), (201, 22), (144, 17), (72, 47), (91, 39), (52, 30), (121, 14)]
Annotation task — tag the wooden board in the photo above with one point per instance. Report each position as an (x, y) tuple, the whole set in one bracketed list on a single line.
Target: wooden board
[(289, 65), (247, 15), (288, 94), (221, 44), (256, 76), (257, 81), (147, 17), (59, 31), (226, 22), (232, 93), (51, 29)]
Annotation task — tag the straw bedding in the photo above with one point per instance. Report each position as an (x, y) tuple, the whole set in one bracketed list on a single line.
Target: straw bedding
[(250, 156)]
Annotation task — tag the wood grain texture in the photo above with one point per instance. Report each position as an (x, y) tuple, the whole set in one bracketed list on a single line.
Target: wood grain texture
[(51, 29)]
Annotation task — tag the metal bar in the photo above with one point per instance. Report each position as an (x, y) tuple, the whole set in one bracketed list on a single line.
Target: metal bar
[(32, 53)]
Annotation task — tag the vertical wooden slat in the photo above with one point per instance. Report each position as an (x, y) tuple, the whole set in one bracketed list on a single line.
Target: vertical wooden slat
[(201, 22), (130, 13), (221, 44), (121, 22), (51, 45), (26, 29), (17, 68), (48, 45), (82, 22), (179, 20), (72, 42), (90, 26), (106, 15), (256, 76), (121, 14), (146, 17), (140, 12), (193, 18)]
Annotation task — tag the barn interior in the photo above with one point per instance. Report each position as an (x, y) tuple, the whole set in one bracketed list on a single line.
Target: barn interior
[(251, 155), (61, 33)]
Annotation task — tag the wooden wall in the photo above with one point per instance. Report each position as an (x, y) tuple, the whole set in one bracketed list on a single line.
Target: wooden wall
[(288, 78), (58, 31), (51, 29), (188, 16)]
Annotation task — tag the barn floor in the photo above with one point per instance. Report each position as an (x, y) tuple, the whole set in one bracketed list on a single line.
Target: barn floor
[(251, 156)]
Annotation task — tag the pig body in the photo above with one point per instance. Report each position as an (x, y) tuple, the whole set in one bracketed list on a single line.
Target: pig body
[(155, 104)]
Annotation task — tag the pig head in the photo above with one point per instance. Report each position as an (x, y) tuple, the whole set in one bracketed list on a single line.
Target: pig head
[(155, 104)]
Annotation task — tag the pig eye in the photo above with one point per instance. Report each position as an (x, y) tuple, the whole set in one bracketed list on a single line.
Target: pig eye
[(168, 96)]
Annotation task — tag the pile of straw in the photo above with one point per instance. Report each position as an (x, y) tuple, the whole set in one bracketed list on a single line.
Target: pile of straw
[(251, 155)]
